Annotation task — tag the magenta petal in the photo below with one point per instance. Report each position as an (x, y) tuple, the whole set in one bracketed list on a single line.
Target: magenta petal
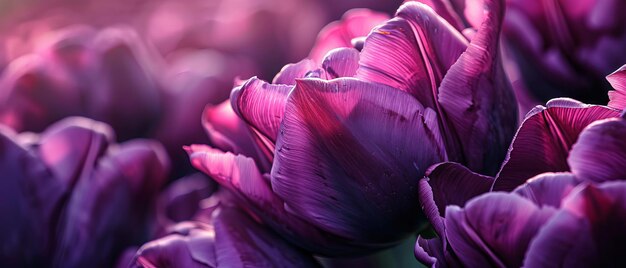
[(600, 153), (618, 81), (341, 62), (412, 52), (228, 132), (543, 141), (494, 230), (354, 24), (587, 232), (293, 71), (111, 205), (347, 149), (548, 189), (261, 105), (477, 99)]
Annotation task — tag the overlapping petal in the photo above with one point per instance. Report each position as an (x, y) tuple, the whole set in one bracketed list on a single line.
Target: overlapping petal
[(494, 230), (354, 24), (346, 154), (617, 96), (599, 155), (587, 232), (545, 138), (231, 239)]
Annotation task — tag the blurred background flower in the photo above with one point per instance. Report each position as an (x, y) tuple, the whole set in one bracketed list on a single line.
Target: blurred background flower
[(562, 49), (71, 197)]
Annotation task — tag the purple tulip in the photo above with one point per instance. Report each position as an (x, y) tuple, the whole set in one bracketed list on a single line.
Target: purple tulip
[(337, 162), (551, 221), (564, 49), (227, 237), (566, 136), (543, 143), (72, 198), (105, 75)]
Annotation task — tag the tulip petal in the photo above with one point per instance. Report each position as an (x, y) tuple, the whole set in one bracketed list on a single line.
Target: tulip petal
[(544, 139), (347, 149), (191, 244), (126, 92), (548, 189), (228, 132), (261, 105), (240, 174), (290, 72), (477, 99), (240, 242), (587, 232), (600, 153), (341, 62), (72, 147), (31, 201), (454, 184), (412, 52), (180, 201), (494, 230), (445, 9), (433, 253), (618, 81), (355, 23), (112, 205)]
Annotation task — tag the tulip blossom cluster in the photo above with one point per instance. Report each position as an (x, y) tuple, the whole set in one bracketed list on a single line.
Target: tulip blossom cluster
[(391, 136)]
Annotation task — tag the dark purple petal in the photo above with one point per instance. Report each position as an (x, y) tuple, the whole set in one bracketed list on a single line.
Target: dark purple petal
[(477, 100), (433, 253), (354, 24), (261, 105), (543, 141), (587, 232), (240, 242), (180, 201), (240, 174), (341, 62), (412, 52), (111, 205), (346, 155), (290, 72), (232, 239), (548, 189), (618, 81), (600, 153), (31, 201), (191, 244), (454, 184), (494, 230)]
